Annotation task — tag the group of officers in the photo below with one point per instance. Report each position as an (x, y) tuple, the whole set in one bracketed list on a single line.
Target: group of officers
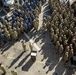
[(62, 27)]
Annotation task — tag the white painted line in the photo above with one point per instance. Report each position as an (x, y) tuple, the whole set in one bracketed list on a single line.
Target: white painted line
[(45, 5), (35, 45), (31, 41)]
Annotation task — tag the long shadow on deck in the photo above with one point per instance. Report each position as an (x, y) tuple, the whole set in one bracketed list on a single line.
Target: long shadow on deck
[(15, 60), (27, 66), (22, 61)]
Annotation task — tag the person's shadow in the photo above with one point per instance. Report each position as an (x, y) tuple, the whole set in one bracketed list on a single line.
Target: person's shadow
[(23, 60), (7, 46), (27, 65), (59, 69), (15, 60)]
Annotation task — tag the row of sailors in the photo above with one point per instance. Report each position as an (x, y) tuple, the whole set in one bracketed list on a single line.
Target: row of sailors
[(21, 2)]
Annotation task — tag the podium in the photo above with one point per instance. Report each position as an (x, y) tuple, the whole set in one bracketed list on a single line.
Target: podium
[(33, 55)]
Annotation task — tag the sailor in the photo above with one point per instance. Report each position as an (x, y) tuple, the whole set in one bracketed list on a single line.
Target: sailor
[(55, 38), (18, 30), (70, 46), (60, 40), (52, 30), (52, 36), (29, 26), (64, 37), (25, 27), (44, 19), (57, 31), (1, 20), (57, 45), (35, 23), (11, 33), (15, 35), (71, 53), (65, 57), (22, 28), (61, 48), (7, 34), (65, 43), (24, 46)]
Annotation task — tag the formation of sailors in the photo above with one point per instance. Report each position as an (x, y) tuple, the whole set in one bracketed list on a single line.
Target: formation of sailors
[(62, 26), (20, 21)]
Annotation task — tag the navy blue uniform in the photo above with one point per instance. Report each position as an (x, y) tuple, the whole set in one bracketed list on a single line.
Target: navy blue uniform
[(1, 20)]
